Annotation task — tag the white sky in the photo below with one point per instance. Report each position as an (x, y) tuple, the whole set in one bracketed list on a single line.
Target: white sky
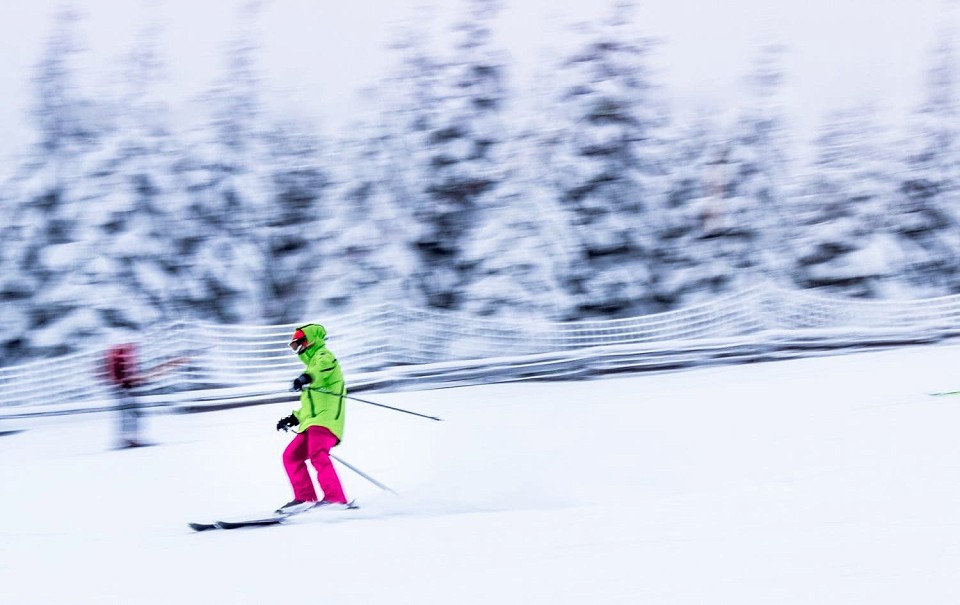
[(828, 480), (318, 54)]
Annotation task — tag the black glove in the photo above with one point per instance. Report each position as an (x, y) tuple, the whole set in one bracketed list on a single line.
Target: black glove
[(301, 381), (286, 423)]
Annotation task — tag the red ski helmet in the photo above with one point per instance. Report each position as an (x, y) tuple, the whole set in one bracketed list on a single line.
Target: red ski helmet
[(299, 342)]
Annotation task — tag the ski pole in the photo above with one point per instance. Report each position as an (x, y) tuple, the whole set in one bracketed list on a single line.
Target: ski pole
[(389, 407), (364, 475)]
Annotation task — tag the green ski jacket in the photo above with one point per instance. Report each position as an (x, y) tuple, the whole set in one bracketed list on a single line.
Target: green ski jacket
[(322, 402)]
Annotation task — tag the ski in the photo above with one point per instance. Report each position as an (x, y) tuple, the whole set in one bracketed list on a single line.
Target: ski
[(942, 393), (275, 519), (252, 522), (238, 523)]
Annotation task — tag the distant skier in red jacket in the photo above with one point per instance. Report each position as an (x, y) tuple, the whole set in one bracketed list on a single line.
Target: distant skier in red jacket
[(123, 373), (122, 370)]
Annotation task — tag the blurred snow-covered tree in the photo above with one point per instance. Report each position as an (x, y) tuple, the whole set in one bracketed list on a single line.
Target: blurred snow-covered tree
[(691, 270), (66, 120), (130, 270), (927, 215), (609, 163), (377, 184), (46, 237), (846, 243), (368, 251), (514, 257), (17, 285), (294, 237), (229, 182), (461, 136), (749, 226)]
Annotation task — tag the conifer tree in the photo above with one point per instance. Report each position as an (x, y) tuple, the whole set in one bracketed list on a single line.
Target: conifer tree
[(751, 229), (462, 139), (609, 176), (230, 193), (295, 235), (48, 237), (691, 271), (927, 213), (514, 258), (847, 244), (368, 257)]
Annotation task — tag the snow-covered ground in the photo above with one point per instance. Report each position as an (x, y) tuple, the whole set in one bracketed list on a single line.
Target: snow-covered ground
[(815, 481)]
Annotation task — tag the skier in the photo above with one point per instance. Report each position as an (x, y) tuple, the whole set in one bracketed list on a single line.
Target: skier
[(123, 374), (318, 422), (123, 371)]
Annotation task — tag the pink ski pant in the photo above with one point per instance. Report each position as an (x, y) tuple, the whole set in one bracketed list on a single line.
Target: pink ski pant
[(314, 445)]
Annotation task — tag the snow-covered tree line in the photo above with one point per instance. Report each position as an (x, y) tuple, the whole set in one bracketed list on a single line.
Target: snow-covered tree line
[(599, 203)]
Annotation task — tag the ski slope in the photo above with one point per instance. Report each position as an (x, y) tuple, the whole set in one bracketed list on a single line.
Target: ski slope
[(814, 481)]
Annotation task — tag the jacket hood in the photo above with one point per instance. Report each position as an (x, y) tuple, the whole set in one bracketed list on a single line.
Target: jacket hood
[(316, 336)]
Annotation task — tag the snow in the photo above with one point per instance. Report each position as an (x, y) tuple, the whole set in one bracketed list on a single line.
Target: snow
[(826, 480)]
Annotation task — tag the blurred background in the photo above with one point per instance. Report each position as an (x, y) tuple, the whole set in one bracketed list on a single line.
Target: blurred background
[(277, 161)]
